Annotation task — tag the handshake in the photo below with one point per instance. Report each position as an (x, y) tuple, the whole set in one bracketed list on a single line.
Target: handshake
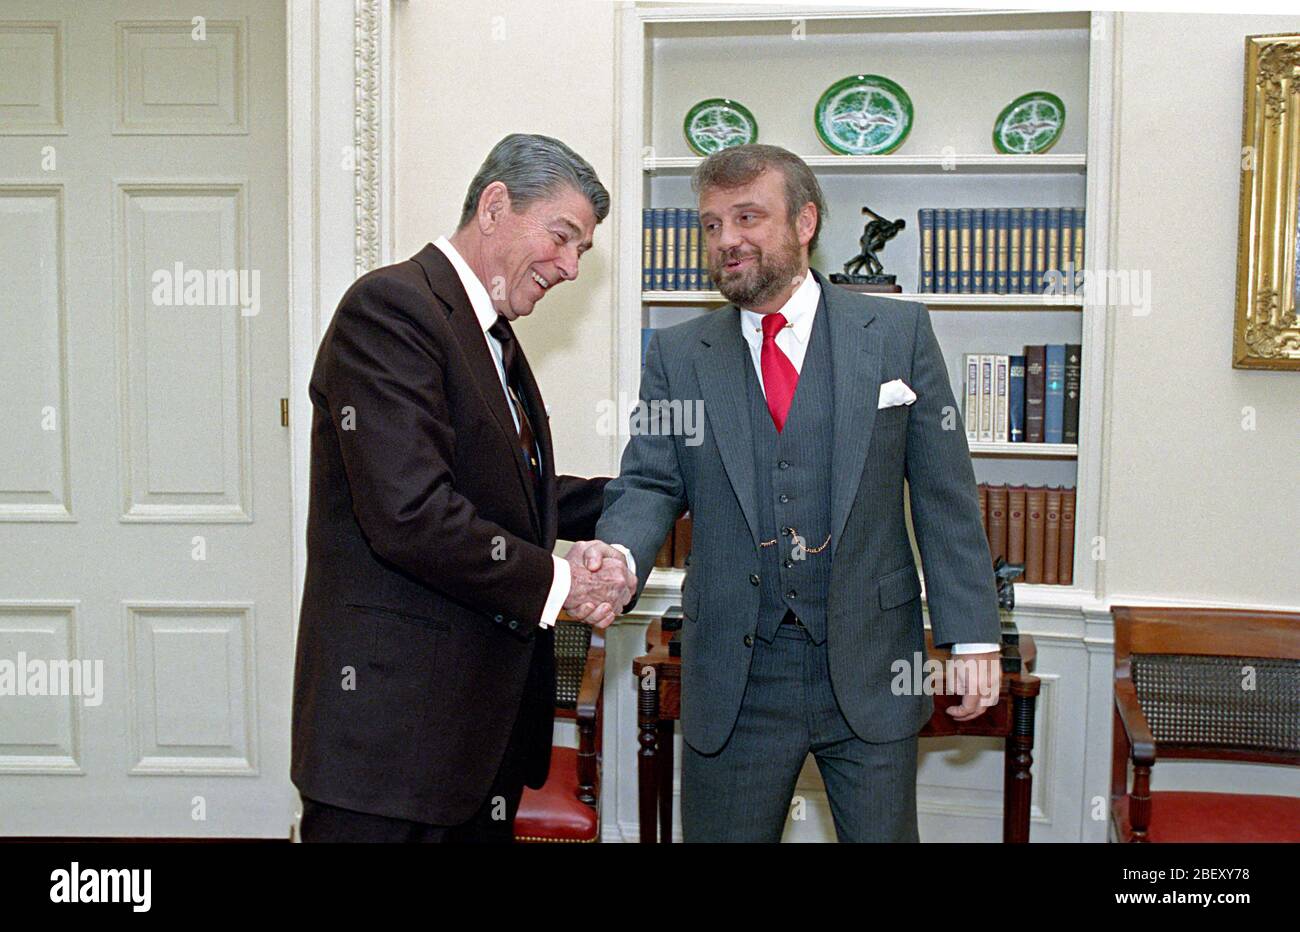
[(601, 583)]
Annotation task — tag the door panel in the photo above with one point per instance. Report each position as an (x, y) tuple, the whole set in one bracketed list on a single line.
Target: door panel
[(145, 585)]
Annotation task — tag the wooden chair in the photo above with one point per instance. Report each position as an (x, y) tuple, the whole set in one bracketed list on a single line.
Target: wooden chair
[(1205, 684), (567, 807)]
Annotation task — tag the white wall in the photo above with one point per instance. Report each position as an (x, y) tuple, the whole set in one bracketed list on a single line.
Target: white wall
[(470, 74), (1198, 508)]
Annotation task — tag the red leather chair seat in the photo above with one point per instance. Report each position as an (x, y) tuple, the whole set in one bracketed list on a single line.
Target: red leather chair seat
[(554, 813), (1183, 816)]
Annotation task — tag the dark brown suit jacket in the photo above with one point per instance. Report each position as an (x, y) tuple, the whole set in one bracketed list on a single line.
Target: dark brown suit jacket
[(428, 557)]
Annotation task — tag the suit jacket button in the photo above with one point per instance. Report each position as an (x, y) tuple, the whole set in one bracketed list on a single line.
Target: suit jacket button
[(753, 578), (498, 619), (513, 624), (749, 640), (784, 498), (791, 594)]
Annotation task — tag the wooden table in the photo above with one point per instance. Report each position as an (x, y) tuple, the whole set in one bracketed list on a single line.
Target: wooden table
[(659, 682)]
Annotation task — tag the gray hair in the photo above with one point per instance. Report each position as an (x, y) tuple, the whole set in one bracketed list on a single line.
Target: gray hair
[(739, 165), (533, 167)]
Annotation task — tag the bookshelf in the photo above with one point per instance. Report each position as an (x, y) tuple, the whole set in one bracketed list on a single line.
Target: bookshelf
[(777, 61)]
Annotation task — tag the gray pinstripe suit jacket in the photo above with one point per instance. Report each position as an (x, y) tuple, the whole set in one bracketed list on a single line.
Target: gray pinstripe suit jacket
[(874, 613)]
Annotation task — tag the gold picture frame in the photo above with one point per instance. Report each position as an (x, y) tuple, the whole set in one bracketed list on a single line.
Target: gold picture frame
[(1266, 330)]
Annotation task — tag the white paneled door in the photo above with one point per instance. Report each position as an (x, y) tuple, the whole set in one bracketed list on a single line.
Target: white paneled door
[(145, 582)]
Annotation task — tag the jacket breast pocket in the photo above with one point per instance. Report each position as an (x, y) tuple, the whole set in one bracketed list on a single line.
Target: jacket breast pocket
[(898, 588)]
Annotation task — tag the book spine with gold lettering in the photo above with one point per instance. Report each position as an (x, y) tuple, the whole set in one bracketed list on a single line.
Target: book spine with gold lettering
[(954, 251), (1055, 283), (1002, 250), (940, 250), (1037, 276), (659, 249), (925, 220), (1016, 526), (1051, 535), (1013, 250), (693, 250), (647, 249), (670, 249), (1065, 566), (964, 253), (1067, 248), (1035, 506), (977, 250)]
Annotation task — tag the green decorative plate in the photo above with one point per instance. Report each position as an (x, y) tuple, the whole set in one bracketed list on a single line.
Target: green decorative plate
[(863, 114), (1030, 124), (718, 123)]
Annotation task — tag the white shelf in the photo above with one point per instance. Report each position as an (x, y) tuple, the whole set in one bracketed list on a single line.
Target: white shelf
[(912, 164), (936, 301), (1028, 450)]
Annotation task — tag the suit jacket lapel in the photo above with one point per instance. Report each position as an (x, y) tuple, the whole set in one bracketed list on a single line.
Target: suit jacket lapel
[(720, 367), (855, 365), (464, 324)]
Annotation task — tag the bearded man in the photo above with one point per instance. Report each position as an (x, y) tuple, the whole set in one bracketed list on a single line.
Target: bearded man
[(801, 594)]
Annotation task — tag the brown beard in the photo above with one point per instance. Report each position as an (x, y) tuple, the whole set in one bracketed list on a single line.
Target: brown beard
[(770, 274)]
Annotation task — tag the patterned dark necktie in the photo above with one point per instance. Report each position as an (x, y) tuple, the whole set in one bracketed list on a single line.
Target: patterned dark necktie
[(510, 356)]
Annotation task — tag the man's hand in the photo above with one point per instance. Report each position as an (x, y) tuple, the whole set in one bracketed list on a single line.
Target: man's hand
[(977, 678), (601, 583)]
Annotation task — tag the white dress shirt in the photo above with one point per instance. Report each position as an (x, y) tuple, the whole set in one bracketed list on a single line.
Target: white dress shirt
[(562, 581), (800, 311)]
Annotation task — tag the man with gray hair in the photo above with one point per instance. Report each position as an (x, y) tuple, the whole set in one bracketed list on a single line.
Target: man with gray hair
[(425, 684), (801, 596)]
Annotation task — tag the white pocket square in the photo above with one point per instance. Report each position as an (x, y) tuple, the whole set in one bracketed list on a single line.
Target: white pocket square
[(895, 393)]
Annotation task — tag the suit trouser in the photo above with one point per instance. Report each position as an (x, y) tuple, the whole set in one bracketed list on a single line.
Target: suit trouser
[(743, 792), (493, 822)]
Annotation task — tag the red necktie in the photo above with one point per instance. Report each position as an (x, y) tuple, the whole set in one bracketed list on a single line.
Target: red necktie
[(779, 375)]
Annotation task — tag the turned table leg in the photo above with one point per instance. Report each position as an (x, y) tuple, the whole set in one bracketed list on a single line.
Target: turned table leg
[(1017, 780), (647, 715)]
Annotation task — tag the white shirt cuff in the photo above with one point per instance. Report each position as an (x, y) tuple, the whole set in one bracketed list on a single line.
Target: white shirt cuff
[(975, 648), (560, 585), (627, 555)]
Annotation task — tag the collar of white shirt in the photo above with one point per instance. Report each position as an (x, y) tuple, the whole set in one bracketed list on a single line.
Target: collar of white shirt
[(478, 296), (799, 312)]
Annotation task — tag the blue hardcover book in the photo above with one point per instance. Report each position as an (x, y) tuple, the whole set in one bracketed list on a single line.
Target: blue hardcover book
[(1000, 219), (990, 249), (685, 261), (1027, 251), (692, 263), (1054, 395), (1065, 237), (1015, 227), (977, 250), (647, 249), (1042, 262), (953, 270), (964, 266), (702, 257), (1016, 399), (1055, 281), (925, 221), (670, 248), (1080, 275), (941, 250), (659, 249)]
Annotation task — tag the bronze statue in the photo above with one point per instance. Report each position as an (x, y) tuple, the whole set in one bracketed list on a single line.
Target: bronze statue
[(875, 235)]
